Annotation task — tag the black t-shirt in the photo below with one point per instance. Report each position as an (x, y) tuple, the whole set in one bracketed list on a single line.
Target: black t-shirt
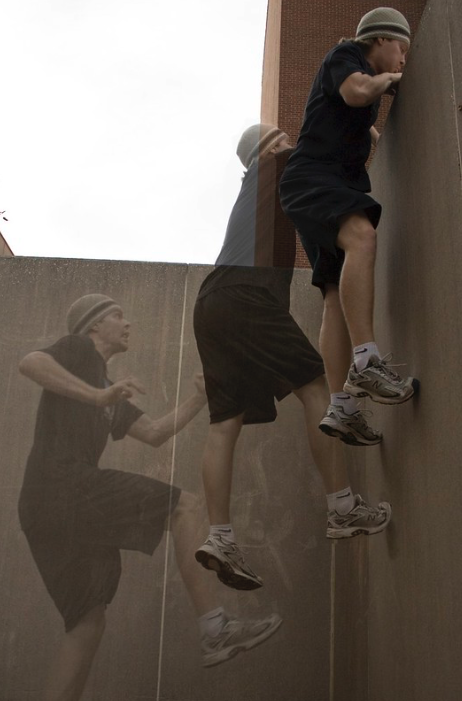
[(334, 137), (70, 435), (260, 242)]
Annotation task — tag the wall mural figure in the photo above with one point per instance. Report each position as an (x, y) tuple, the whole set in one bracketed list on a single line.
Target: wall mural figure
[(77, 518)]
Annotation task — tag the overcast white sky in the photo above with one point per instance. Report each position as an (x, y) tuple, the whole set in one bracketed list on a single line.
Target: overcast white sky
[(119, 124)]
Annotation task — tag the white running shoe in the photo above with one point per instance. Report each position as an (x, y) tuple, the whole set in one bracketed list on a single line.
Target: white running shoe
[(379, 382), (228, 562), (350, 428), (237, 636), (362, 519)]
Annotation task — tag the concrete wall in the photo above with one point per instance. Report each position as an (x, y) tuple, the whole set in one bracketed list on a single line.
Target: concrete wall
[(397, 602), (278, 504), (415, 573)]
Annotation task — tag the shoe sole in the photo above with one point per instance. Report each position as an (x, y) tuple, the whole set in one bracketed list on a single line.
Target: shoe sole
[(225, 572), (334, 534), (359, 393), (234, 650), (349, 438)]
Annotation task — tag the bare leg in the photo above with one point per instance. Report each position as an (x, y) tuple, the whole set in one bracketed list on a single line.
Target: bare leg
[(72, 664), (186, 525), (327, 454), (217, 468), (221, 553), (334, 340), (357, 238)]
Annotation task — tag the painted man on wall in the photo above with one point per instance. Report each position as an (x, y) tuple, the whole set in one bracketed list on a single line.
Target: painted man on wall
[(77, 517)]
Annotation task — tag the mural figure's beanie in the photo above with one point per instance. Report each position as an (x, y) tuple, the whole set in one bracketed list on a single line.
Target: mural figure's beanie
[(87, 310)]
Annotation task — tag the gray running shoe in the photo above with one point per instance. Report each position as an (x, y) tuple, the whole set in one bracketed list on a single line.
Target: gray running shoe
[(228, 562), (379, 382), (350, 428), (237, 636), (362, 519)]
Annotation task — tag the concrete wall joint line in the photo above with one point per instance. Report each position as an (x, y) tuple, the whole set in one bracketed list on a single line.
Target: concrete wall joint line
[(172, 472), (457, 108), (332, 625)]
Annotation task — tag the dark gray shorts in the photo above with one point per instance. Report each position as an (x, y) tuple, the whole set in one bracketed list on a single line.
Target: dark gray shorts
[(252, 352), (315, 203), (79, 557)]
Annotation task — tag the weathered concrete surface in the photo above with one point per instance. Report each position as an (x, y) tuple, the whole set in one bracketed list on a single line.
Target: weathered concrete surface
[(279, 505), (415, 604)]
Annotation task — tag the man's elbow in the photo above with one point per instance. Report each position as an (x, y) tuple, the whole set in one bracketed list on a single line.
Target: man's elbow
[(158, 437), (356, 98), (155, 441), (28, 365)]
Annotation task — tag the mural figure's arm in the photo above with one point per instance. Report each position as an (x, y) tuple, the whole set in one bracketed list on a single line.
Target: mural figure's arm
[(49, 374)]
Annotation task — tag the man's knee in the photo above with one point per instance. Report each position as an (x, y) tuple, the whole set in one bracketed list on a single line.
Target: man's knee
[(331, 296), (316, 390), (187, 503), (91, 626), (229, 428), (357, 234), (188, 513), (189, 510)]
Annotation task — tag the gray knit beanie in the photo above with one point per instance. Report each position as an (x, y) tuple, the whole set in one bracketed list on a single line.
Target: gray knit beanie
[(255, 140), (384, 22), (87, 310)]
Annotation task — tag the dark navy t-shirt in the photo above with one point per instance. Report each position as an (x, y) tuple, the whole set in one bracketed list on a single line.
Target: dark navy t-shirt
[(70, 435), (260, 243), (334, 137)]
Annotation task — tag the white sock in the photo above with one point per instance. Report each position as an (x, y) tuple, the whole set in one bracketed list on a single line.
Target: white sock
[(346, 401), (342, 502), (213, 622), (225, 531), (362, 354)]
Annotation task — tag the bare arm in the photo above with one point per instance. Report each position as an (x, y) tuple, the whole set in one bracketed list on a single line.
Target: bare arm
[(361, 90), (49, 374), (155, 432)]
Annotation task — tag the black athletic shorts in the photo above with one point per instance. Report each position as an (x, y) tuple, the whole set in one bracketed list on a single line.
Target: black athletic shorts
[(252, 351), (79, 557), (314, 203)]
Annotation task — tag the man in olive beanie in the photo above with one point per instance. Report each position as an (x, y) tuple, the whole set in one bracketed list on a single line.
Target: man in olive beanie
[(324, 191), (253, 352)]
